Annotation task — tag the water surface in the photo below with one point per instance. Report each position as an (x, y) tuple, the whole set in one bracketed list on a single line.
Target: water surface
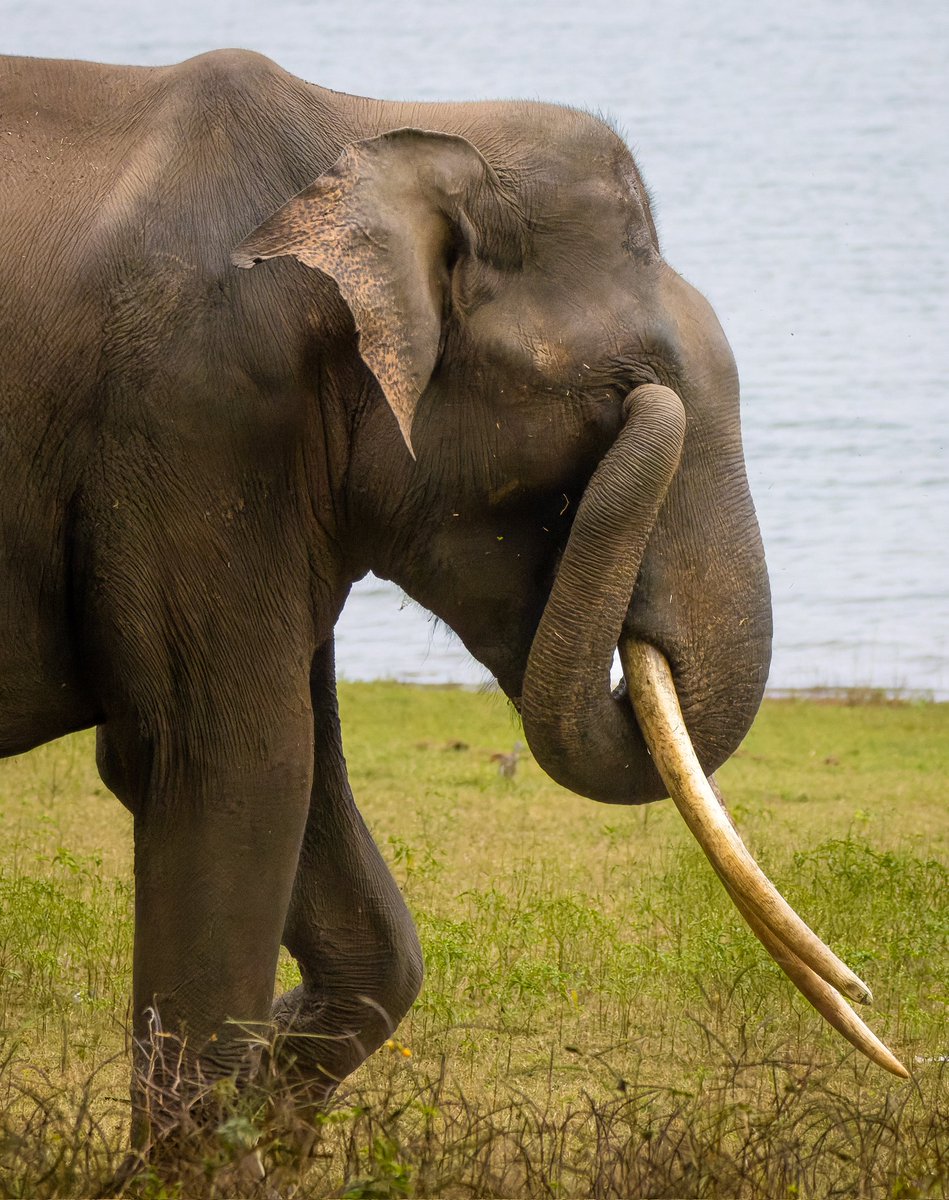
[(800, 160)]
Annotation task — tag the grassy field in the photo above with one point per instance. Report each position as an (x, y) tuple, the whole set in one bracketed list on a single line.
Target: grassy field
[(596, 1020)]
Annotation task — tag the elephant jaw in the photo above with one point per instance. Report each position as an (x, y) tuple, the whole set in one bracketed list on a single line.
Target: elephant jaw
[(813, 968)]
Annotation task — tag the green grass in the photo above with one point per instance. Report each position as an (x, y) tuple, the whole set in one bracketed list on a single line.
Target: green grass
[(596, 1019)]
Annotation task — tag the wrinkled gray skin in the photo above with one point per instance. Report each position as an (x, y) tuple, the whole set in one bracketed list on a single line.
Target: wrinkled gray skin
[(198, 461)]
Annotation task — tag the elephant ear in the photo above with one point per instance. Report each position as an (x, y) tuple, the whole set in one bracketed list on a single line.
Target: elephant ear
[(384, 222)]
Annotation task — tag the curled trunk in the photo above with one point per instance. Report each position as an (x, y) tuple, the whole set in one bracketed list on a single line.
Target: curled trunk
[(579, 733), (665, 547)]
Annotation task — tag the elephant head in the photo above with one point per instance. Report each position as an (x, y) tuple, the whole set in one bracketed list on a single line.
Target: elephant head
[(572, 476), (561, 386)]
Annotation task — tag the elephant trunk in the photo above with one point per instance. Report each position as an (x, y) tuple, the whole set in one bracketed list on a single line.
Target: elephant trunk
[(578, 732), (660, 553)]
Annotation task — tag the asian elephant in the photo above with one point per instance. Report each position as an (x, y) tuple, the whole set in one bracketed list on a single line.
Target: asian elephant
[(468, 369)]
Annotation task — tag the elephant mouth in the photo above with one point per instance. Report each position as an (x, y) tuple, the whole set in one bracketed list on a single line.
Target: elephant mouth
[(811, 966)]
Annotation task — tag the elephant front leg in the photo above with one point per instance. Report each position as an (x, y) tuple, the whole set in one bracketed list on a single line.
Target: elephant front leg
[(347, 926), (216, 849)]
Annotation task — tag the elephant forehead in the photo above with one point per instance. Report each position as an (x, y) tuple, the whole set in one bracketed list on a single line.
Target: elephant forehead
[(596, 208)]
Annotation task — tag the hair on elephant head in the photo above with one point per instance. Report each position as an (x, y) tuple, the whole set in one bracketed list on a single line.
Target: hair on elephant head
[(468, 369)]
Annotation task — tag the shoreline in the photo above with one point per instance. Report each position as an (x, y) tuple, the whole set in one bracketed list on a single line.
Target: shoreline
[(850, 696)]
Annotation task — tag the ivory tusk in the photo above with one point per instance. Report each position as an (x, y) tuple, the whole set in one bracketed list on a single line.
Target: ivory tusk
[(796, 948), (827, 1000), (656, 705)]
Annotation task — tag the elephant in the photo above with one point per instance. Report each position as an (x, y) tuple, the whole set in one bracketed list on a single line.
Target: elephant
[(260, 338)]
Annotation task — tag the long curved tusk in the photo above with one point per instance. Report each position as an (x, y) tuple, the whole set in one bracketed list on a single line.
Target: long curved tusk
[(827, 1000), (656, 705), (794, 946)]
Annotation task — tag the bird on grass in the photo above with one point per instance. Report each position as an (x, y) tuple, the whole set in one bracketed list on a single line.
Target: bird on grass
[(507, 763)]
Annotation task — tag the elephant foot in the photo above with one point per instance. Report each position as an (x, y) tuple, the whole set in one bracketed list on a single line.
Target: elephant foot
[(199, 1131), (184, 1174)]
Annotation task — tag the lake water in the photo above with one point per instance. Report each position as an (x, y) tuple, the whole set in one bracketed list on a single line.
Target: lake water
[(799, 156)]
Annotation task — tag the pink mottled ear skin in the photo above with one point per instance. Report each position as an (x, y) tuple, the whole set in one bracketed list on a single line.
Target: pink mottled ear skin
[(375, 222)]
